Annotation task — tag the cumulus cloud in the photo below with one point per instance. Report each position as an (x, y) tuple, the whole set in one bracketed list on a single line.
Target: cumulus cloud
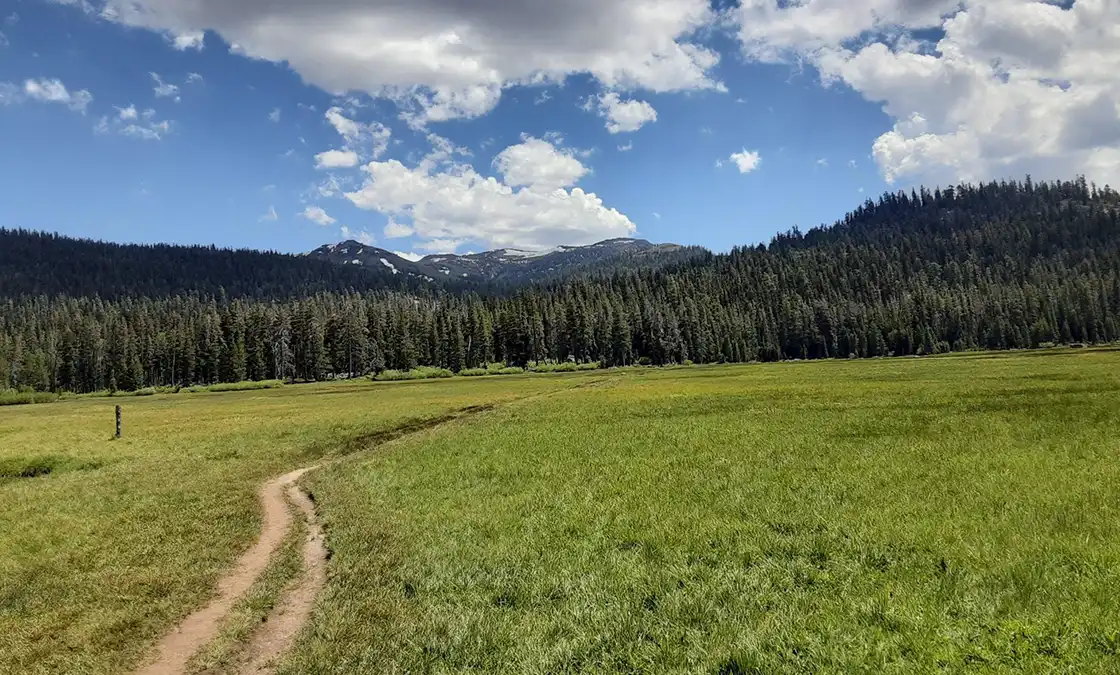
[(538, 165), (446, 204), (366, 140), (318, 216), (625, 115), (336, 159), (164, 89), (9, 93), (976, 89), (132, 124), (194, 78), (449, 58), (360, 235), (191, 39), (54, 91), (746, 160), (395, 230)]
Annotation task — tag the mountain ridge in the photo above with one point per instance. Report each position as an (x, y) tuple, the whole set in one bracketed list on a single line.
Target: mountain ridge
[(507, 265)]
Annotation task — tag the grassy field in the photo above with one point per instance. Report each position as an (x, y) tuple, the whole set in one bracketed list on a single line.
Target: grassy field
[(106, 544), (914, 515), (952, 514)]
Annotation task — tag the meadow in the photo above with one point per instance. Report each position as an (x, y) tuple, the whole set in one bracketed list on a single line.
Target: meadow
[(948, 514), (105, 544)]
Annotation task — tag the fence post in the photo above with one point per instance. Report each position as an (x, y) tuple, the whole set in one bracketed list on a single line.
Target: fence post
[(118, 421)]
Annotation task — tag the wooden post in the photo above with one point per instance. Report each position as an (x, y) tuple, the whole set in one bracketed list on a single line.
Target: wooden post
[(118, 421)]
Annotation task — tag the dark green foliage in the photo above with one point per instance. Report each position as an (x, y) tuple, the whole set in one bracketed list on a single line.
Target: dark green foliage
[(37, 263), (994, 266)]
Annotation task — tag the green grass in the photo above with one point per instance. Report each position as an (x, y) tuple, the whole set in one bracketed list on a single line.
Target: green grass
[(917, 515), (105, 544), (220, 655), (565, 367), (422, 373), (14, 397), (950, 514)]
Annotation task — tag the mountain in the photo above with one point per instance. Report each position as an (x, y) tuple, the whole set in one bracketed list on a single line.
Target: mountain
[(41, 263), (1001, 265), (512, 266)]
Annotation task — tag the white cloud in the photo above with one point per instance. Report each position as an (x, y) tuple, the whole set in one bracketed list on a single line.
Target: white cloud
[(164, 89), (270, 216), (773, 31), (447, 204), (719, 163), (395, 230), (147, 132), (317, 216), (822, 162), (538, 165), (361, 235), (194, 78), (9, 93), (128, 122), (448, 58), (852, 163), (347, 128), (746, 160), (336, 159), (54, 91), (624, 116), (191, 39), (368, 140), (274, 116), (3, 39), (657, 215), (332, 186), (1010, 86), (441, 245)]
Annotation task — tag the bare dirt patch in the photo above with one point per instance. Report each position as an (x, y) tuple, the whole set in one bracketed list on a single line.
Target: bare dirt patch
[(279, 632), (176, 648)]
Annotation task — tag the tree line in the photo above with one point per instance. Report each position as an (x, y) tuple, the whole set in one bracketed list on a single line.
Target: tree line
[(992, 266)]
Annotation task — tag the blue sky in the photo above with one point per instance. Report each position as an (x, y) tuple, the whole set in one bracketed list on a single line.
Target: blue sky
[(191, 122)]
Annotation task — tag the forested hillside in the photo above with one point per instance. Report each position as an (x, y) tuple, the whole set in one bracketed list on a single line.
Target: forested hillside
[(999, 265), (39, 263)]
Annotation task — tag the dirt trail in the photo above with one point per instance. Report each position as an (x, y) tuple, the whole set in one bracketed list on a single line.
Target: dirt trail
[(279, 633), (177, 647)]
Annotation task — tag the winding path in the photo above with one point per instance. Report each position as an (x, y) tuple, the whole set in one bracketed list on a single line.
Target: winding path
[(277, 634), (176, 648)]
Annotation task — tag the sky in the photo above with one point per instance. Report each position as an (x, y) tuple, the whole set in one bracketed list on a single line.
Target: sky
[(435, 126)]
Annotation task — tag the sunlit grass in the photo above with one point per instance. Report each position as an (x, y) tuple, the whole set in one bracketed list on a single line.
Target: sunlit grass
[(105, 544), (912, 515)]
